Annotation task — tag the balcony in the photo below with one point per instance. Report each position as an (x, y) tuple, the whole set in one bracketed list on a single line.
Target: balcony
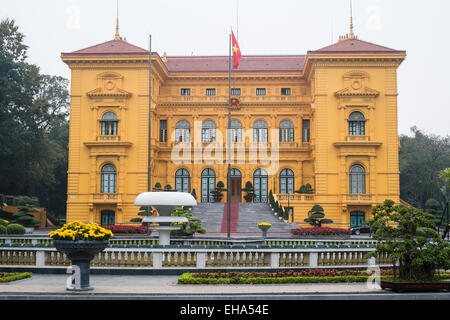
[(106, 198), (295, 197), (358, 198), (224, 99), (357, 138), (108, 138)]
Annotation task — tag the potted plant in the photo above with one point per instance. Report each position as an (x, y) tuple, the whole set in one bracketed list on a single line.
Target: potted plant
[(218, 192), (250, 192), (416, 249), (264, 226), (81, 242)]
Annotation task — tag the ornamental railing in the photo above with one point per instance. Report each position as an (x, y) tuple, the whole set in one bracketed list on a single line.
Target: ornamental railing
[(196, 257)]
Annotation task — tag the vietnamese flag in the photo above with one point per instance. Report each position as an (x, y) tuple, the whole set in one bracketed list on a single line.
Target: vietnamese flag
[(236, 51)]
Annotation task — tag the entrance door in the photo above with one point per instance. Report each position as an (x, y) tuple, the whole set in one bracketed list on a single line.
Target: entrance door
[(356, 218), (208, 185), (108, 218), (260, 181), (236, 185)]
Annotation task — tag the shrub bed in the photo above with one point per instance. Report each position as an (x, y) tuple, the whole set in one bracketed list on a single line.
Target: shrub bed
[(322, 231), (13, 276), (308, 276), (122, 229)]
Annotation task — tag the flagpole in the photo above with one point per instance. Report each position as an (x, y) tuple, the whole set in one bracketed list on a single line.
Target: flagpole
[(228, 145), (149, 175)]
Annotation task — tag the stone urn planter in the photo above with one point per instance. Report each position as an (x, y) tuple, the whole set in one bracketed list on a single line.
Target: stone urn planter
[(415, 286), (81, 253), (264, 227), (80, 242)]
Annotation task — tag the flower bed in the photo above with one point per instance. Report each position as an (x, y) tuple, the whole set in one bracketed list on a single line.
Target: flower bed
[(123, 229), (305, 276), (13, 276), (77, 230), (316, 231)]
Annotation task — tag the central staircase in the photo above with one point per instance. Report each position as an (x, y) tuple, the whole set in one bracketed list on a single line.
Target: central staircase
[(244, 218)]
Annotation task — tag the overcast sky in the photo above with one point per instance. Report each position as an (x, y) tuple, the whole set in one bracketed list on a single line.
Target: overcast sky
[(201, 27)]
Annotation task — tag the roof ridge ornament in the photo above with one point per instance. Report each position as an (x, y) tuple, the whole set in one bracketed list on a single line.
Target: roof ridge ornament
[(350, 35), (117, 35)]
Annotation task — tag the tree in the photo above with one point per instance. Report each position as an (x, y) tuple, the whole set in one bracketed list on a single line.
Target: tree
[(421, 158), (316, 216), (24, 217), (187, 229), (33, 125), (408, 236)]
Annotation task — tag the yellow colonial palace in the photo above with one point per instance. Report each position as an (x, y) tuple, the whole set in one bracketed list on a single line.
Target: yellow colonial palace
[(327, 119)]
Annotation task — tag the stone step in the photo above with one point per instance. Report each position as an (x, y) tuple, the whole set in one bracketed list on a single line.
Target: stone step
[(250, 214)]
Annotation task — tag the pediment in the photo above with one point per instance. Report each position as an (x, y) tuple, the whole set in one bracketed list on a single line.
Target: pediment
[(357, 92), (109, 84), (113, 92)]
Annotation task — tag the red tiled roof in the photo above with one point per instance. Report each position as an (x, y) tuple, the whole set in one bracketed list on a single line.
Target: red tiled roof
[(219, 64), (355, 46), (113, 47)]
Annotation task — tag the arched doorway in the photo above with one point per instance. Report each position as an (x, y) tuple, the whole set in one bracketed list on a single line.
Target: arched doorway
[(260, 182), (236, 185), (208, 185), (182, 180)]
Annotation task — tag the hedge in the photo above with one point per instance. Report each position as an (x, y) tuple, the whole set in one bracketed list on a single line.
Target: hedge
[(15, 228), (13, 276), (187, 278)]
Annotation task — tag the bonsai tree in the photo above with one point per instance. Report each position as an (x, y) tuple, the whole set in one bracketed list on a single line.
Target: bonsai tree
[(218, 191), (187, 229), (305, 189), (316, 217), (24, 217), (250, 192), (144, 211), (157, 187), (409, 237), (168, 188)]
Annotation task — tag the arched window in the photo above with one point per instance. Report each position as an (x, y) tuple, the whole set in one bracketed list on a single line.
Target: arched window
[(260, 131), (109, 124), (236, 131), (286, 131), (182, 180), (183, 131), (356, 124), (357, 177), (208, 131), (108, 179), (287, 181), (260, 184), (208, 185)]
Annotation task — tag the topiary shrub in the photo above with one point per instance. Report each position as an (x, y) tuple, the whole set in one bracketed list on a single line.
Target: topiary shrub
[(15, 228), (2, 229)]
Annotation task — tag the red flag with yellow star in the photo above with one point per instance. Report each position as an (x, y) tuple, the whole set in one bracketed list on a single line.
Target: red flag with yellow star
[(236, 51)]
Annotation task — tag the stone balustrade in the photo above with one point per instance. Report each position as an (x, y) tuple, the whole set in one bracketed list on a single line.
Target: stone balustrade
[(196, 257)]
